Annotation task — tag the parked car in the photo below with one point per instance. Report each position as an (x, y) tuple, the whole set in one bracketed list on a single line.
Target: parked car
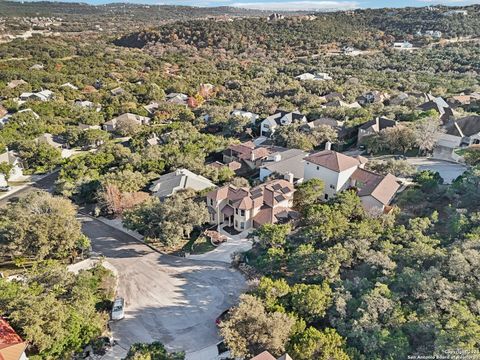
[(5, 188), (118, 309)]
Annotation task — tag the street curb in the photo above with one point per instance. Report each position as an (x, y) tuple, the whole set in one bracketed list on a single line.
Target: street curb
[(113, 227)]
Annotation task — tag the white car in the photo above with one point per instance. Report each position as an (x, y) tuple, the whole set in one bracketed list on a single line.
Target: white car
[(118, 312)]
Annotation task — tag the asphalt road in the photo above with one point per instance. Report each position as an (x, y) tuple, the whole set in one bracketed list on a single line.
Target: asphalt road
[(170, 299), (449, 171)]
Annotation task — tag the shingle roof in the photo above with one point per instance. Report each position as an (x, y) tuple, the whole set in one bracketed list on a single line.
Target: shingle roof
[(466, 126), (382, 188), (333, 160), (11, 344), (168, 184), (264, 356)]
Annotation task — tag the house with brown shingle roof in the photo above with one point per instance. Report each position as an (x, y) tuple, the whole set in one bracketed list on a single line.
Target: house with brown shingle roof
[(245, 208), (340, 172), (12, 347), (247, 153)]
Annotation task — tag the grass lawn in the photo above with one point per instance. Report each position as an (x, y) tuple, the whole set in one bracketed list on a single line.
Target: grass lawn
[(201, 245)]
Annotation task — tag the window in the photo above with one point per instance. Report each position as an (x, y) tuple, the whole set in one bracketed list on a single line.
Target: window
[(242, 212), (236, 211), (242, 225), (211, 202), (266, 126), (318, 167), (236, 223), (326, 196), (332, 186)]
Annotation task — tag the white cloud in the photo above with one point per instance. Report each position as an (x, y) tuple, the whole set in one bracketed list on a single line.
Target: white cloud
[(299, 5)]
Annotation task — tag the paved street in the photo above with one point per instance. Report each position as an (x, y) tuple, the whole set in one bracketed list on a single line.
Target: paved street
[(449, 171), (170, 299)]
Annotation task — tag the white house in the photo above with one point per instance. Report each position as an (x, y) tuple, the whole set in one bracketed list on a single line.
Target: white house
[(16, 174), (316, 77), (402, 45), (246, 114), (112, 124), (340, 172), (43, 95), (69, 85), (281, 118)]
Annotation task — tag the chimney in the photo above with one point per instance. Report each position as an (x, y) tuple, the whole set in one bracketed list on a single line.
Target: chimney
[(328, 145), (252, 156), (289, 177)]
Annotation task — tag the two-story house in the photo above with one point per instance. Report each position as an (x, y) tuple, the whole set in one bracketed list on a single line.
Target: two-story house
[(281, 118), (245, 208), (341, 172), (374, 127)]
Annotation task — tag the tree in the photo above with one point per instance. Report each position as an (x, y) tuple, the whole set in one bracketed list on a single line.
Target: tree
[(5, 169), (399, 138), (311, 301), (127, 127), (472, 155), (40, 226), (39, 157), (169, 221), (273, 235), (309, 192), (250, 329), (428, 180), (55, 310), (152, 351), (390, 166), (320, 345), (125, 180), (426, 133), (113, 201)]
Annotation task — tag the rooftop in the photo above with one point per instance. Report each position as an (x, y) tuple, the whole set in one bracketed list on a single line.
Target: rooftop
[(333, 160)]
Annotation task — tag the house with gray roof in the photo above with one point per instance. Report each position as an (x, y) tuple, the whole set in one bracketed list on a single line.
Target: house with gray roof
[(374, 127), (181, 179), (278, 119), (288, 164)]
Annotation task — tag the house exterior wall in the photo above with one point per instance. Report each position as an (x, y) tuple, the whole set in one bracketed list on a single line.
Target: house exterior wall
[(334, 181), (264, 172), (266, 128)]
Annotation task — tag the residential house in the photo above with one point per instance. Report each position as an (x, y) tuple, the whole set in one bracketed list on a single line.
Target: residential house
[(177, 98), (464, 100), (246, 153), (275, 16), (446, 146), (37, 67), (341, 103), (12, 347), (340, 172), (281, 118), (374, 127), (434, 33), (88, 127), (315, 77), (3, 111), (16, 173), (233, 165), (371, 97), (439, 105), (404, 45), (56, 142), (246, 114), (332, 96), (181, 179), (467, 128), (43, 95), (112, 124), (267, 356), (245, 208), (14, 83), (288, 164), (456, 12), (398, 99), (117, 91), (323, 121), (88, 105), (152, 107), (69, 85), (6, 118)]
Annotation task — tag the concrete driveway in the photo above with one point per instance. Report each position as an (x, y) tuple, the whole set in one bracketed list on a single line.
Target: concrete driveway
[(449, 171), (169, 299)]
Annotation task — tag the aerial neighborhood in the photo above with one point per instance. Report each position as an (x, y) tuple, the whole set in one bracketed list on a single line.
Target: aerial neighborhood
[(209, 183)]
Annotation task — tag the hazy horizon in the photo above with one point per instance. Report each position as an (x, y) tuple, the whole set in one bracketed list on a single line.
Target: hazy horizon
[(287, 5)]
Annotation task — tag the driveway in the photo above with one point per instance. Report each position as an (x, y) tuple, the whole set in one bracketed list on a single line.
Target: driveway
[(169, 299), (449, 171), (224, 251)]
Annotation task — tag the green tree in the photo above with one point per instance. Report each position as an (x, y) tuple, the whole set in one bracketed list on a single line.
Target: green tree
[(311, 301), (308, 193), (250, 329), (152, 351), (321, 345)]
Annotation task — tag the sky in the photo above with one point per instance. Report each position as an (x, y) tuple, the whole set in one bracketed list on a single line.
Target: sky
[(307, 5)]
